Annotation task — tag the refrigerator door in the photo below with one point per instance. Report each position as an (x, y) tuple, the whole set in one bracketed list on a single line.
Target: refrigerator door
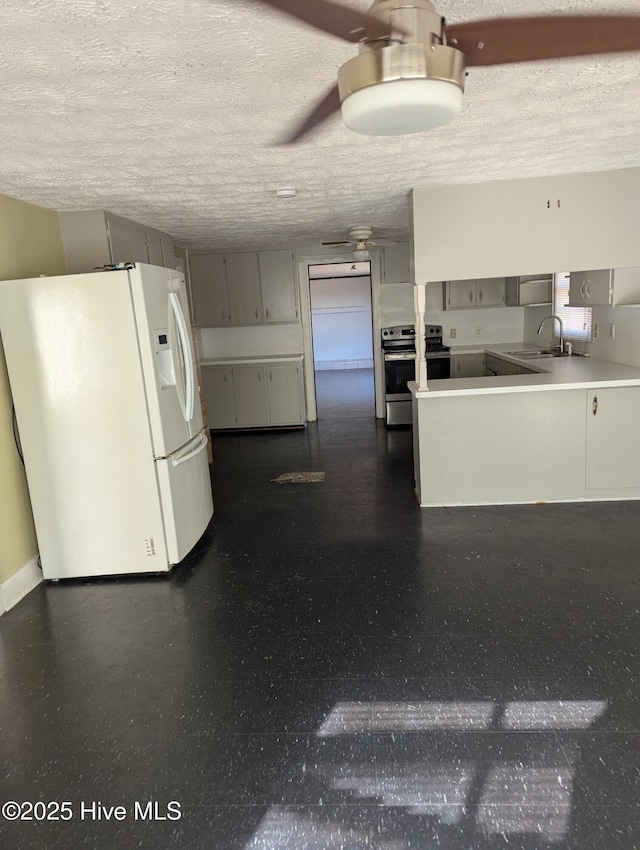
[(73, 357), (161, 306), (185, 494)]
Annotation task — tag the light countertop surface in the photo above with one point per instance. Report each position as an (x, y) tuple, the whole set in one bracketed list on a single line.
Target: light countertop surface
[(552, 373), (251, 361)]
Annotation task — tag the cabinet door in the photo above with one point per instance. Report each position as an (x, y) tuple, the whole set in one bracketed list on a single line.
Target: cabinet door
[(505, 367), (577, 285), (251, 396), (168, 257), (284, 393), (597, 288), (277, 282), (490, 292), (460, 294), (128, 244), (468, 366), (396, 264), (209, 290), (613, 425), (217, 387), (243, 287), (154, 244)]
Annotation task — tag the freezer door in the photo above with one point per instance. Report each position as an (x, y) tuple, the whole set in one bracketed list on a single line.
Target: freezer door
[(185, 493), (166, 351)]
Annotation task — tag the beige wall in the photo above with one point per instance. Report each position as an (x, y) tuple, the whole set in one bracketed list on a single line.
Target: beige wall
[(30, 245)]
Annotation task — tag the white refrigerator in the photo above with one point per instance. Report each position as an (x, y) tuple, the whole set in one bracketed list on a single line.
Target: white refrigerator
[(104, 385)]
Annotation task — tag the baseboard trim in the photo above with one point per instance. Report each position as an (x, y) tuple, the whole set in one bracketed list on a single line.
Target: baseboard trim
[(19, 584)]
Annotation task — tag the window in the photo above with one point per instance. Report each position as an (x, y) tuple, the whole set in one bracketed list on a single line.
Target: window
[(576, 320)]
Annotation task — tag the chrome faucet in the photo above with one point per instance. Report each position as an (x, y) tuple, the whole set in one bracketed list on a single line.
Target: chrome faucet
[(553, 316)]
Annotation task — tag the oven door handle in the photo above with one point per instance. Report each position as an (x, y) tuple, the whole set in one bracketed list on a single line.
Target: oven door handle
[(405, 356)]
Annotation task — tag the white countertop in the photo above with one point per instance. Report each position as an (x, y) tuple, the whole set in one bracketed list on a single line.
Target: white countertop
[(251, 361), (553, 373)]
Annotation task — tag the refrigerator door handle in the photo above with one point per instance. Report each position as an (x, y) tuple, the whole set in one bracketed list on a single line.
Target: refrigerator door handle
[(178, 458), (183, 333)]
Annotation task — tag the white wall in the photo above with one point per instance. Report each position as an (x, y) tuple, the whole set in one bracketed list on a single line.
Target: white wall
[(512, 227), (260, 340), (499, 324), (625, 348), (342, 323)]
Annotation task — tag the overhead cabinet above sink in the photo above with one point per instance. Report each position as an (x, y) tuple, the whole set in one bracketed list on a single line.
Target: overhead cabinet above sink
[(605, 287)]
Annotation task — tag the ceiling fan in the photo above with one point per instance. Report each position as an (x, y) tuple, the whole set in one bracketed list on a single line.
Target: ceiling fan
[(360, 236), (409, 73)]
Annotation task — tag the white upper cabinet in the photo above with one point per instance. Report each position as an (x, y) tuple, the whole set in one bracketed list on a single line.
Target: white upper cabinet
[(490, 292), (94, 238), (396, 263), (243, 288), (209, 290), (278, 295), (606, 287), (470, 294), (253, 288), (459, 294), (154, 248)]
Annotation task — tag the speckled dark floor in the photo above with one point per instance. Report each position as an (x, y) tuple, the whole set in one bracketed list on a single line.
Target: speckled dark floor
[(334, 668)]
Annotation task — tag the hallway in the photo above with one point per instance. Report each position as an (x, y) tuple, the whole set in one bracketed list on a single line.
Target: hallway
[(335, 668)]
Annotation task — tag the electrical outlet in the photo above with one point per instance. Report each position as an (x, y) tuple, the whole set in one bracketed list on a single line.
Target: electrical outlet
[(478, 331), (452, 333), (596, 331), (612, 330)]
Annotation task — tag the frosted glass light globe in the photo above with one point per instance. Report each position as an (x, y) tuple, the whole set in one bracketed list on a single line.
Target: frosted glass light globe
[(401, 107)]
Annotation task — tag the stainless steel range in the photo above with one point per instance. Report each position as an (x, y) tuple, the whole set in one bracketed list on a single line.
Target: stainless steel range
[(399, 355)]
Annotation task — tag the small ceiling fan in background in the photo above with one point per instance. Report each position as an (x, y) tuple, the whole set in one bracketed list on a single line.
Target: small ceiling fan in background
[(360, 236), (409, 74)]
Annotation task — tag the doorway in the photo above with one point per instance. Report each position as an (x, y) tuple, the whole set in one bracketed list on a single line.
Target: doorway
[(342, 333)]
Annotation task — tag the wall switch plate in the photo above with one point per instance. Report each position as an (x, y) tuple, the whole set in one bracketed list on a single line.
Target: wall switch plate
[(452, 333), (478, 331), (596, 331), (612, 330)]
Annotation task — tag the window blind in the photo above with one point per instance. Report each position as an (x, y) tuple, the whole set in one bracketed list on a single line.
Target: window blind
[(576, 320)]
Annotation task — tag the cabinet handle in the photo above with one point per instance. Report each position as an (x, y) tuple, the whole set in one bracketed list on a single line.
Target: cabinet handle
[(222, 315), (582, 286), (586, 291), (458, 366), (260, 377), (270, 376), (256, 312), (225, 378), (266, 312), (470, 296), (480, 295), (594, 405)]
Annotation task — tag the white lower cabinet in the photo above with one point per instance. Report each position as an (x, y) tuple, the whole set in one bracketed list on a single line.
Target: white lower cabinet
[(613, 424), (217, 385), (250, 395), (467, 366), (258, 395), (284, 394)]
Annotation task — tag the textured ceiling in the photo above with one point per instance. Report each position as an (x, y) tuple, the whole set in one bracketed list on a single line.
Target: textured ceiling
[(166, 111)]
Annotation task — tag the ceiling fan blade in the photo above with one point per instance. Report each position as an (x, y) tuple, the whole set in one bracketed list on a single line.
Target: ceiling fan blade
[(337, 243), (330, 17), (381, 243), (500, 41), (329, 104)]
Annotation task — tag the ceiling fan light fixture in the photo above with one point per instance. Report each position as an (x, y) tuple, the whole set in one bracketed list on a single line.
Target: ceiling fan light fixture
[(361, 253), (402, 107)]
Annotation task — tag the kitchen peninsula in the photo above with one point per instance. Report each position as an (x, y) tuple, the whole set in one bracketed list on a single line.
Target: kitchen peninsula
[(567, 431)]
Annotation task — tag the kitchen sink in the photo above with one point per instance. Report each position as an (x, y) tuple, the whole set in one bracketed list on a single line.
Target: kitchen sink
[(533, 354)]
